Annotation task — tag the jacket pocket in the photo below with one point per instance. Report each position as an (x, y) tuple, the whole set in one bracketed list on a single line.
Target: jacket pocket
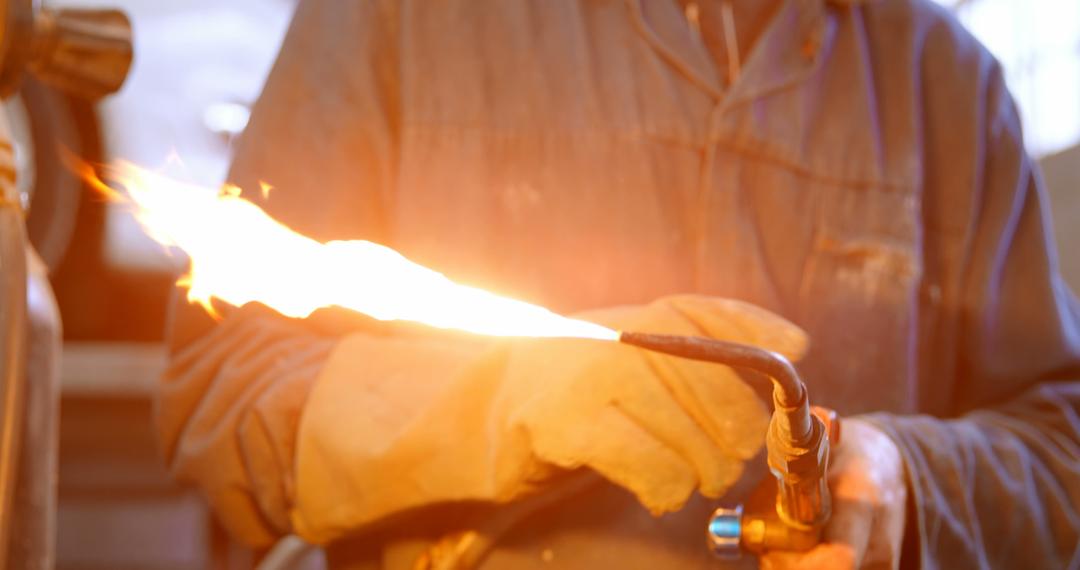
[(859, 298)]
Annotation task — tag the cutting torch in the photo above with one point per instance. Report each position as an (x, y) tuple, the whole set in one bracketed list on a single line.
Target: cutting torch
[(797, 444)]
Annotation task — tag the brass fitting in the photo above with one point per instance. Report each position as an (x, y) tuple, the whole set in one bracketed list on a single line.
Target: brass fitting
[(84, 52), (762, 534), (800, 465)]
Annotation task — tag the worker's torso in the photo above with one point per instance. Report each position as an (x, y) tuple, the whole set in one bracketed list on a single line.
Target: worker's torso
[(583, 154), (572, 154)]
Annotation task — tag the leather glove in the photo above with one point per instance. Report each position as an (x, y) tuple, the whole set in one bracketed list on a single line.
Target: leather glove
[(394, 424)]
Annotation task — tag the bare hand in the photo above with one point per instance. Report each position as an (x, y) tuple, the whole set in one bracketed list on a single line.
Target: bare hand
[(869, 494)]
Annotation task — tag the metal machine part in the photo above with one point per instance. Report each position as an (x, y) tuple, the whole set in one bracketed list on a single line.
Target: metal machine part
[(87, 53), (32, 540), (46, 125), (70, 54), (13, 333), (797, 446)]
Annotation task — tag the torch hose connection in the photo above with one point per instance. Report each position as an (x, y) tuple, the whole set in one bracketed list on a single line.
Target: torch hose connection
[(789, 392)]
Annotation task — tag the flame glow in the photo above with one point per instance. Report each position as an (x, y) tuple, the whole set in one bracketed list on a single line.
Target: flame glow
[(239, 254)]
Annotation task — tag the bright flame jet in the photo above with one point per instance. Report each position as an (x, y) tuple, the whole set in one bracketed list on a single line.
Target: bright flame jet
[(239, 254)]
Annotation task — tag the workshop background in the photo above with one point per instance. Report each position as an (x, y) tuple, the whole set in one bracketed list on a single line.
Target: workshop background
[(199, 65)]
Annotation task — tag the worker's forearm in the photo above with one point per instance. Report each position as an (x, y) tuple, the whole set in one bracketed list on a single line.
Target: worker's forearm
[(998, 487), (227, 409), (230, 404)]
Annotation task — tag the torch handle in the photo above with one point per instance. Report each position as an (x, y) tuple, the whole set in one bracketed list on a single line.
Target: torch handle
[(788, 511)]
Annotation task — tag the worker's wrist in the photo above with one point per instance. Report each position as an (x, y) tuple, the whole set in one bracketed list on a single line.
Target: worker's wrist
[(891, 425)]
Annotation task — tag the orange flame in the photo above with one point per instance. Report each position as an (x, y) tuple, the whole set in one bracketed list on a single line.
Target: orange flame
[(239, 254)]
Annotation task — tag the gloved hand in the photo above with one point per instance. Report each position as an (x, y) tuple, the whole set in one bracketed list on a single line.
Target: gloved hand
[(395, 424)]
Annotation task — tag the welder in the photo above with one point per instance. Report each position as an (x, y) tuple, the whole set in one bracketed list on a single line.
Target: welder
[(848, 173)]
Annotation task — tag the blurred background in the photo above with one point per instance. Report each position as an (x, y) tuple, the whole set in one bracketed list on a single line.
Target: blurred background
[(199, 66)]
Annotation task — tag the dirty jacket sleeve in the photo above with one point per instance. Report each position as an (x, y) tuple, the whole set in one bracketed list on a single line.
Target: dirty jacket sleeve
[(228, 406), (997, 484)]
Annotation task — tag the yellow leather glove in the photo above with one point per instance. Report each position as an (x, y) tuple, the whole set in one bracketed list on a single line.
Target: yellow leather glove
[(401, 423)]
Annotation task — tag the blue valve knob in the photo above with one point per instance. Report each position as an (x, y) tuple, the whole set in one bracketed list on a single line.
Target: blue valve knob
[(725, 532)]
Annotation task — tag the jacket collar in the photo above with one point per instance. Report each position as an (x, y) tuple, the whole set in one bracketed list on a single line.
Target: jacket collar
[(789, 49)]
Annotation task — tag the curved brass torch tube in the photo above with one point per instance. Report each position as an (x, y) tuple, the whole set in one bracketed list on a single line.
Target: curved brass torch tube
[(789, 392)]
